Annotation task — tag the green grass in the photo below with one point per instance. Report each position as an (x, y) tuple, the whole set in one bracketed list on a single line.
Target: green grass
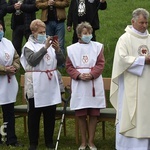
[(66, 142), (113, 22)]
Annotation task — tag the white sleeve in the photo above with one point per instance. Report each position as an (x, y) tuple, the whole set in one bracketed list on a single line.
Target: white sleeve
[(138, 66)]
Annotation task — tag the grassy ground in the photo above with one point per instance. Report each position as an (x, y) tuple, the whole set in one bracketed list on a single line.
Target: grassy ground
[(66, 142), (113, 21)]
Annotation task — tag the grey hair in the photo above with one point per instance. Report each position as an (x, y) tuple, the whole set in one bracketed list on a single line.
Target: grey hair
[(140, 11), (82, 25)]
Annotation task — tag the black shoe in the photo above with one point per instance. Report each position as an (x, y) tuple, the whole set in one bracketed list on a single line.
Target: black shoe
[(17, 144), (32, 147)]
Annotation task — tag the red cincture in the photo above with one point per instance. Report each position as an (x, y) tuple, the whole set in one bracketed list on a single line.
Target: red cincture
[(8, 76), (93, 88), (48, 72)]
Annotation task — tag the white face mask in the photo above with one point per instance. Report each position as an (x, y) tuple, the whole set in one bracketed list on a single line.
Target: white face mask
[(41, 38), (86, 38)]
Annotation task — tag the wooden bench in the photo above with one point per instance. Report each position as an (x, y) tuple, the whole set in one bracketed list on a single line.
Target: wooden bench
[(21, 110), (70, 113), (107, 114)]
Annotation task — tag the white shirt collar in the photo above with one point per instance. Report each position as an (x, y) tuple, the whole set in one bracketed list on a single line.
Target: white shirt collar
[(133, 29)]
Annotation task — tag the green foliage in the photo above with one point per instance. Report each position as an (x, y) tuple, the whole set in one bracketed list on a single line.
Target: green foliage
[(113, 22)]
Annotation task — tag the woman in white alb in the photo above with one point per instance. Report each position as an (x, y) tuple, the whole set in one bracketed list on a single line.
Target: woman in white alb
[(40, 57), (85, 64), (9, 65)]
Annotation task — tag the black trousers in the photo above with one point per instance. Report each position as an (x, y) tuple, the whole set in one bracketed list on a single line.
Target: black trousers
[(17, 37), (9, 118), (34, 115), (75, 37)]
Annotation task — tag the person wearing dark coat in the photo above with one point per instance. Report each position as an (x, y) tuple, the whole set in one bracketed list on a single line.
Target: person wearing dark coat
[(84, 10), (23, 13), (3, 11)]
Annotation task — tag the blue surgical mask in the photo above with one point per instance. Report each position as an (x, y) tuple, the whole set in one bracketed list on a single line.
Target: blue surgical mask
[(86, 38), (1, 34), (41, 38)]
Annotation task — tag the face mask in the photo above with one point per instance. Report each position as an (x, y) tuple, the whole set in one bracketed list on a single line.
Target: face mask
[(41, 38), (86, 38), (1, 34)]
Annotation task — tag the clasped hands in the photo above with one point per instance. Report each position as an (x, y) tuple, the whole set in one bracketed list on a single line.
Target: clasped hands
[(11, 70), (51, 2), (54, 43), (85, 76)]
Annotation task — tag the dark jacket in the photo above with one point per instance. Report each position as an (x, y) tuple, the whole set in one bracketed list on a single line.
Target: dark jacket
[(3, 11), (28, 8), (91, 13)]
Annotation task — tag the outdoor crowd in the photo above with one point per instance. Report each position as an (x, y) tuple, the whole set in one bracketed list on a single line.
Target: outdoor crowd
[(44, 51)]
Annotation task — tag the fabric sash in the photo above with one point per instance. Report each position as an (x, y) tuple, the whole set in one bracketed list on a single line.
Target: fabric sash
[(48, 72)]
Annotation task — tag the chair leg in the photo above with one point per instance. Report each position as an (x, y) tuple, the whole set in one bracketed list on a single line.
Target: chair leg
[(103, 129), (25, 124)]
